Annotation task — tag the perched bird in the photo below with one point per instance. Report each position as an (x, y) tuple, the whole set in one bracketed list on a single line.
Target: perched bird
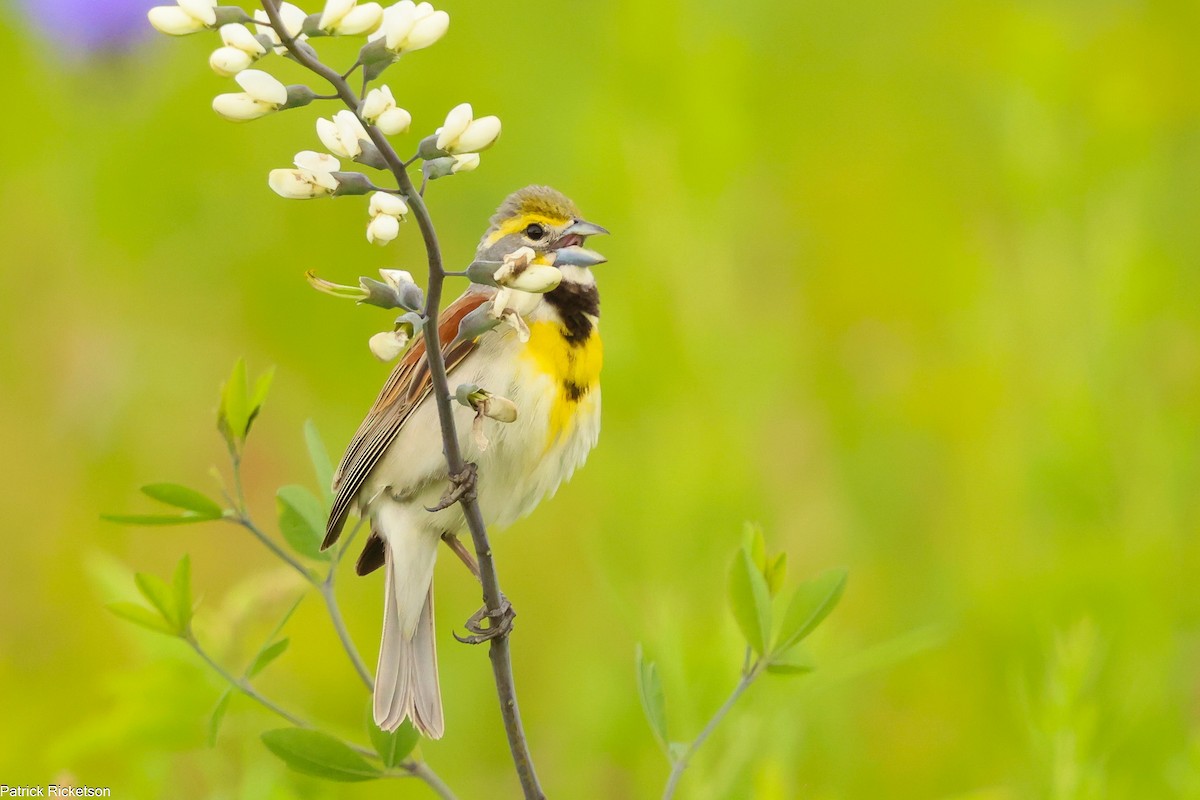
[(394, 471)]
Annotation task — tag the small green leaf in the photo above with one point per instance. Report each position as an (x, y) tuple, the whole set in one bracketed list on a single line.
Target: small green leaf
[(776, 573), (218, 715), (393, 747), (160, 596), (234, 413), (186, 518), (797, 662), (140, 615), (750, 601), (258, 397), (653, 700), (812, 602), (319, 456), (319, 754), (266, 656), (182, 497), (302, 521), (181, 584), (756, 545)]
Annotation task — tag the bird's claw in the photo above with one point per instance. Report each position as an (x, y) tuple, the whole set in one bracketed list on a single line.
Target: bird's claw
[(499, 623), (462, 487)]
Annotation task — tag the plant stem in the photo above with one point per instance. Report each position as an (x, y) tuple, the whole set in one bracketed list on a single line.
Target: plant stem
[(493, 598), (417, 769), (339, 625), (681, 763)]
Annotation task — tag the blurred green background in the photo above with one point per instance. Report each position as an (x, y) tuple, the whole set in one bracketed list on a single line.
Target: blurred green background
[(913, 285)]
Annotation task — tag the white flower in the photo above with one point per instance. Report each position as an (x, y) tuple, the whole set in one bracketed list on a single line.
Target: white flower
[(342, 135), (460, 133), (390, 204), (263, 95), (188, 16), (380, 109), (408, 26), (344, 18), (389, 344), (293, 22), (520, 273), (397, 278), (465, 163), (386, 210), (313, 177), (240, 51)]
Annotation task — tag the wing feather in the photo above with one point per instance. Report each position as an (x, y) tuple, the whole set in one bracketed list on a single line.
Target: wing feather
[(405, 389)]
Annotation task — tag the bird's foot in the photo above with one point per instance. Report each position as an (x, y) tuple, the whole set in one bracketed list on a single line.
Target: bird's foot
[(498, 623), (462, 487)]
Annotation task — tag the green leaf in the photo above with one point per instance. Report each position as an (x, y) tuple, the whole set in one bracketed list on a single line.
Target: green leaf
[(186, 518), (140, 615), (258, 397), (393, 747), (756, 545), (181, 583), (776, 573), (234, 413), (798, 662), (160, 596), (750, 601), (319, 456), (266, 656), (654, 702), (218, 715), (182, 497), (319, 754), (302, 521), (812, 602)]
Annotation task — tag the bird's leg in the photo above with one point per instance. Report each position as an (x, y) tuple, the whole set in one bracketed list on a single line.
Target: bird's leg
[(451, 539), (462, 487), (499, 623)]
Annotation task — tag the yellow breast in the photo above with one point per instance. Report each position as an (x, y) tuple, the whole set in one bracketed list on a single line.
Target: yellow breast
[(573, 367)]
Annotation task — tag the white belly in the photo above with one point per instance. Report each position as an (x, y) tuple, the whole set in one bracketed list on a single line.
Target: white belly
[(521, 464)]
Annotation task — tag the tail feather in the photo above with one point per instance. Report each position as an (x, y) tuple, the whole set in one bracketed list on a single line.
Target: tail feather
[(406, 680)]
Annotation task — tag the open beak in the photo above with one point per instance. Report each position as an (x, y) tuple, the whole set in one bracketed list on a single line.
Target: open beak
[(569, 250)]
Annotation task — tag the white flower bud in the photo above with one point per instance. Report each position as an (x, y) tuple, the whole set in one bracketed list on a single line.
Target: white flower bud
[(262, 86), (521, 273), (397, 278), (360, 20), (390, 204), (342, 135), (174, 21), (394, 121), (203, 10), (382, 229), (312, 177), (229, 61), (498, 408), (334, 12), (240, 107), (408, 27), (389, 344), (239, 36), (465, 163), (461, 134), (456, 124)]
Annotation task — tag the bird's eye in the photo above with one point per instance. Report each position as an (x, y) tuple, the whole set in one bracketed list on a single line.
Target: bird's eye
[(535, 232)]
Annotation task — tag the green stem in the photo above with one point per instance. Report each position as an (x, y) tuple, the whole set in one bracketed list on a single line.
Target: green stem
[(339, 625), (681, 763)]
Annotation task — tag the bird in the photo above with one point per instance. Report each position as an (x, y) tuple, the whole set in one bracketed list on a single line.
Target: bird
[(395, 475)]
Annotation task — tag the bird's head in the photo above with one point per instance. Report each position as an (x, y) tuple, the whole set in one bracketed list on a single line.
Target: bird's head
[(546, 221)]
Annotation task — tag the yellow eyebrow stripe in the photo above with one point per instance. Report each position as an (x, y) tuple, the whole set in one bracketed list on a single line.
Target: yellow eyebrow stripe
[(521, 222)]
